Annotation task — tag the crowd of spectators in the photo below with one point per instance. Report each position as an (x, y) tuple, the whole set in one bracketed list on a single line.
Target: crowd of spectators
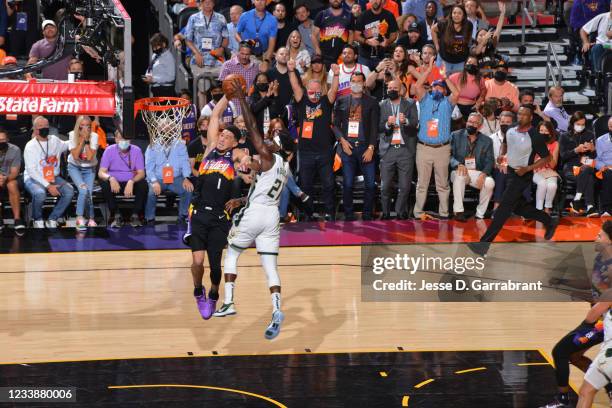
[(388, 90)]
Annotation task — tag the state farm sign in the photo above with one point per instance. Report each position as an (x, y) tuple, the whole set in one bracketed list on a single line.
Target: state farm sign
[(57, 98)]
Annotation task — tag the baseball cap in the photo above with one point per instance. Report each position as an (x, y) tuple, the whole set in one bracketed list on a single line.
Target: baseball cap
[(317, 59), (414, 27), (47, 22)]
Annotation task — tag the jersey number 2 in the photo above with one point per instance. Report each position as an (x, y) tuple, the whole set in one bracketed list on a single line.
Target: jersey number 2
[(275, 190)]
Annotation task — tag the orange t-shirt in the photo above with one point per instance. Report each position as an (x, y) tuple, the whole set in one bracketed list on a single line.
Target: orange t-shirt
[(390, 5), (435, 74)]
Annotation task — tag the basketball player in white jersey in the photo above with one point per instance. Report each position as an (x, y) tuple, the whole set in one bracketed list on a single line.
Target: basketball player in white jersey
[(258, 221)]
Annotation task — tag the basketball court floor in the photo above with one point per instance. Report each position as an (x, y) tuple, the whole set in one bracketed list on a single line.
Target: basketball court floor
[(113, 315)]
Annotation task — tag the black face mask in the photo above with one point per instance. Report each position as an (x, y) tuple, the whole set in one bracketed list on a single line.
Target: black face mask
[(3, 146), (500, 76), (217, 97), (262, 87), (393, 95), (471, 69), (203, 133), (43, 132), (158, 51), (471, 130), (77, 75), (504, 128)]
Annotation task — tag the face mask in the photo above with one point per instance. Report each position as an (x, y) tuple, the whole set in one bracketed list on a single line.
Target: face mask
[(471, 130), (124, 144), (314, 96), (545, 136), (203, 133), (504, 128), (277, 140), (44, 132), (356, 88), (471, 69), (158, 51), (262, 87), (393, 95), (217, 97), (500, 76), (77, 75), (578, 128), (437, 95), (3, 146)]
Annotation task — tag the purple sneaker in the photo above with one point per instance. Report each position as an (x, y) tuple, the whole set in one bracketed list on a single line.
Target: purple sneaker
[(209, 308), (201, 302)]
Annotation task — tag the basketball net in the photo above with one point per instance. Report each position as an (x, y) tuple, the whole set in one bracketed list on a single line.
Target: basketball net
[(163, 117)]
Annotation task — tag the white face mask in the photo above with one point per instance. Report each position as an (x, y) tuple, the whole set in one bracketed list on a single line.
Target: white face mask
[(356, 88), (578, 128)]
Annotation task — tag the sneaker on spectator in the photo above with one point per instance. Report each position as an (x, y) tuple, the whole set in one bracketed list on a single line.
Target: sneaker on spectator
[(19, 224), (135, 221), (51, 224), (39, 224), (576, 207), (92, 223), (117, 222), (61, 221), (80, 224), (591, 212)]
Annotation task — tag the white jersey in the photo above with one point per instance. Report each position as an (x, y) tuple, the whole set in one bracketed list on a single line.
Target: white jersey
[(268, 185), (607, 321)]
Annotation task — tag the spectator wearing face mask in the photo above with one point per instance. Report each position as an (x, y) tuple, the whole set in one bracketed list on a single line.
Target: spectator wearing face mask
[(216, 93), (356, 117), (433, 146), (554, 108), (197, 147), (161, 72), (315, 154), (122, 172), (603, 164), (471, 85), (545, 178), (42, 157), (499, 87), (397, 129), (577, 150), (264, 102), (76, 69), (472, 161), (500, 171)]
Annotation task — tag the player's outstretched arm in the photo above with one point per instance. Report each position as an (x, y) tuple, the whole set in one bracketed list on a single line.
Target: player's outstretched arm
[(213, 125), (265, 156)]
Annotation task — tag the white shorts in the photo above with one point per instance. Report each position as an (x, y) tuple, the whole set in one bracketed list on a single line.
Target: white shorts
[(259, 223), (600, 371)]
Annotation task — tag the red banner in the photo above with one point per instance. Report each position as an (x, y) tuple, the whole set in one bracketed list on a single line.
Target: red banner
[(57, 98)]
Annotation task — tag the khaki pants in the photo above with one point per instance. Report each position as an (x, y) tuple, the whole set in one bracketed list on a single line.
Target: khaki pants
[(486, 192), (209, 73), (438, 159)]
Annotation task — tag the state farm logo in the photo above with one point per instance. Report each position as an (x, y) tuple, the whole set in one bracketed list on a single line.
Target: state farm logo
[(38, 105)]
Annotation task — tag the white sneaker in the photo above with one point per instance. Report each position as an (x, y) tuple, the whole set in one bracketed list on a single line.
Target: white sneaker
[(225, 310), (39, 224), (80, 224), (51, 224), (274, 327)]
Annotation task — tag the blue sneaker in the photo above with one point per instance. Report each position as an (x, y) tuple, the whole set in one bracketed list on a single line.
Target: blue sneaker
[(275, 325)]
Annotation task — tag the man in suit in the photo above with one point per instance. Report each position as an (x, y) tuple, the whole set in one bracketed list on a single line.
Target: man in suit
[(397, 148), (472, 162), (356, 118)]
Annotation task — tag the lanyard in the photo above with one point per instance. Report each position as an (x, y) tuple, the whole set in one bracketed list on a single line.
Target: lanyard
[(435, 109), (395, 112), (129, 156), (207, 23), (472, 147), (489, 124), (43, 150), (167, 156), (258, 27)]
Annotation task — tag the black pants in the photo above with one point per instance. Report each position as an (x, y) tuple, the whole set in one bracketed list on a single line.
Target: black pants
[(513, 201), (571, 347), (311, 163), (585, 182), (465, 110), (140, 195), (606, 191), (163, 90)]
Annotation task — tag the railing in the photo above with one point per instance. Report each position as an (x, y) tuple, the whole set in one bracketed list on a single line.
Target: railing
[(533, 21), (166, 27), (553, 68)]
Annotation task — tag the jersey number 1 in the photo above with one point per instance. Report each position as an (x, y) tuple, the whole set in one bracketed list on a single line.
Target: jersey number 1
[(275, 190)]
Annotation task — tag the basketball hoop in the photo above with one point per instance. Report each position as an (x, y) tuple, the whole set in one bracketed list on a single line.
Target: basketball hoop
[(164, 118)]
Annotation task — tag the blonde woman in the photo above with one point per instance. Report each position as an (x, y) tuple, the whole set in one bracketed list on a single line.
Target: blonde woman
[(316, 71), (298, 52), (82, 161)]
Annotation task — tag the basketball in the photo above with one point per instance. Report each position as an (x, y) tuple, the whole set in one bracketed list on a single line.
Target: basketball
[(227, 84)]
